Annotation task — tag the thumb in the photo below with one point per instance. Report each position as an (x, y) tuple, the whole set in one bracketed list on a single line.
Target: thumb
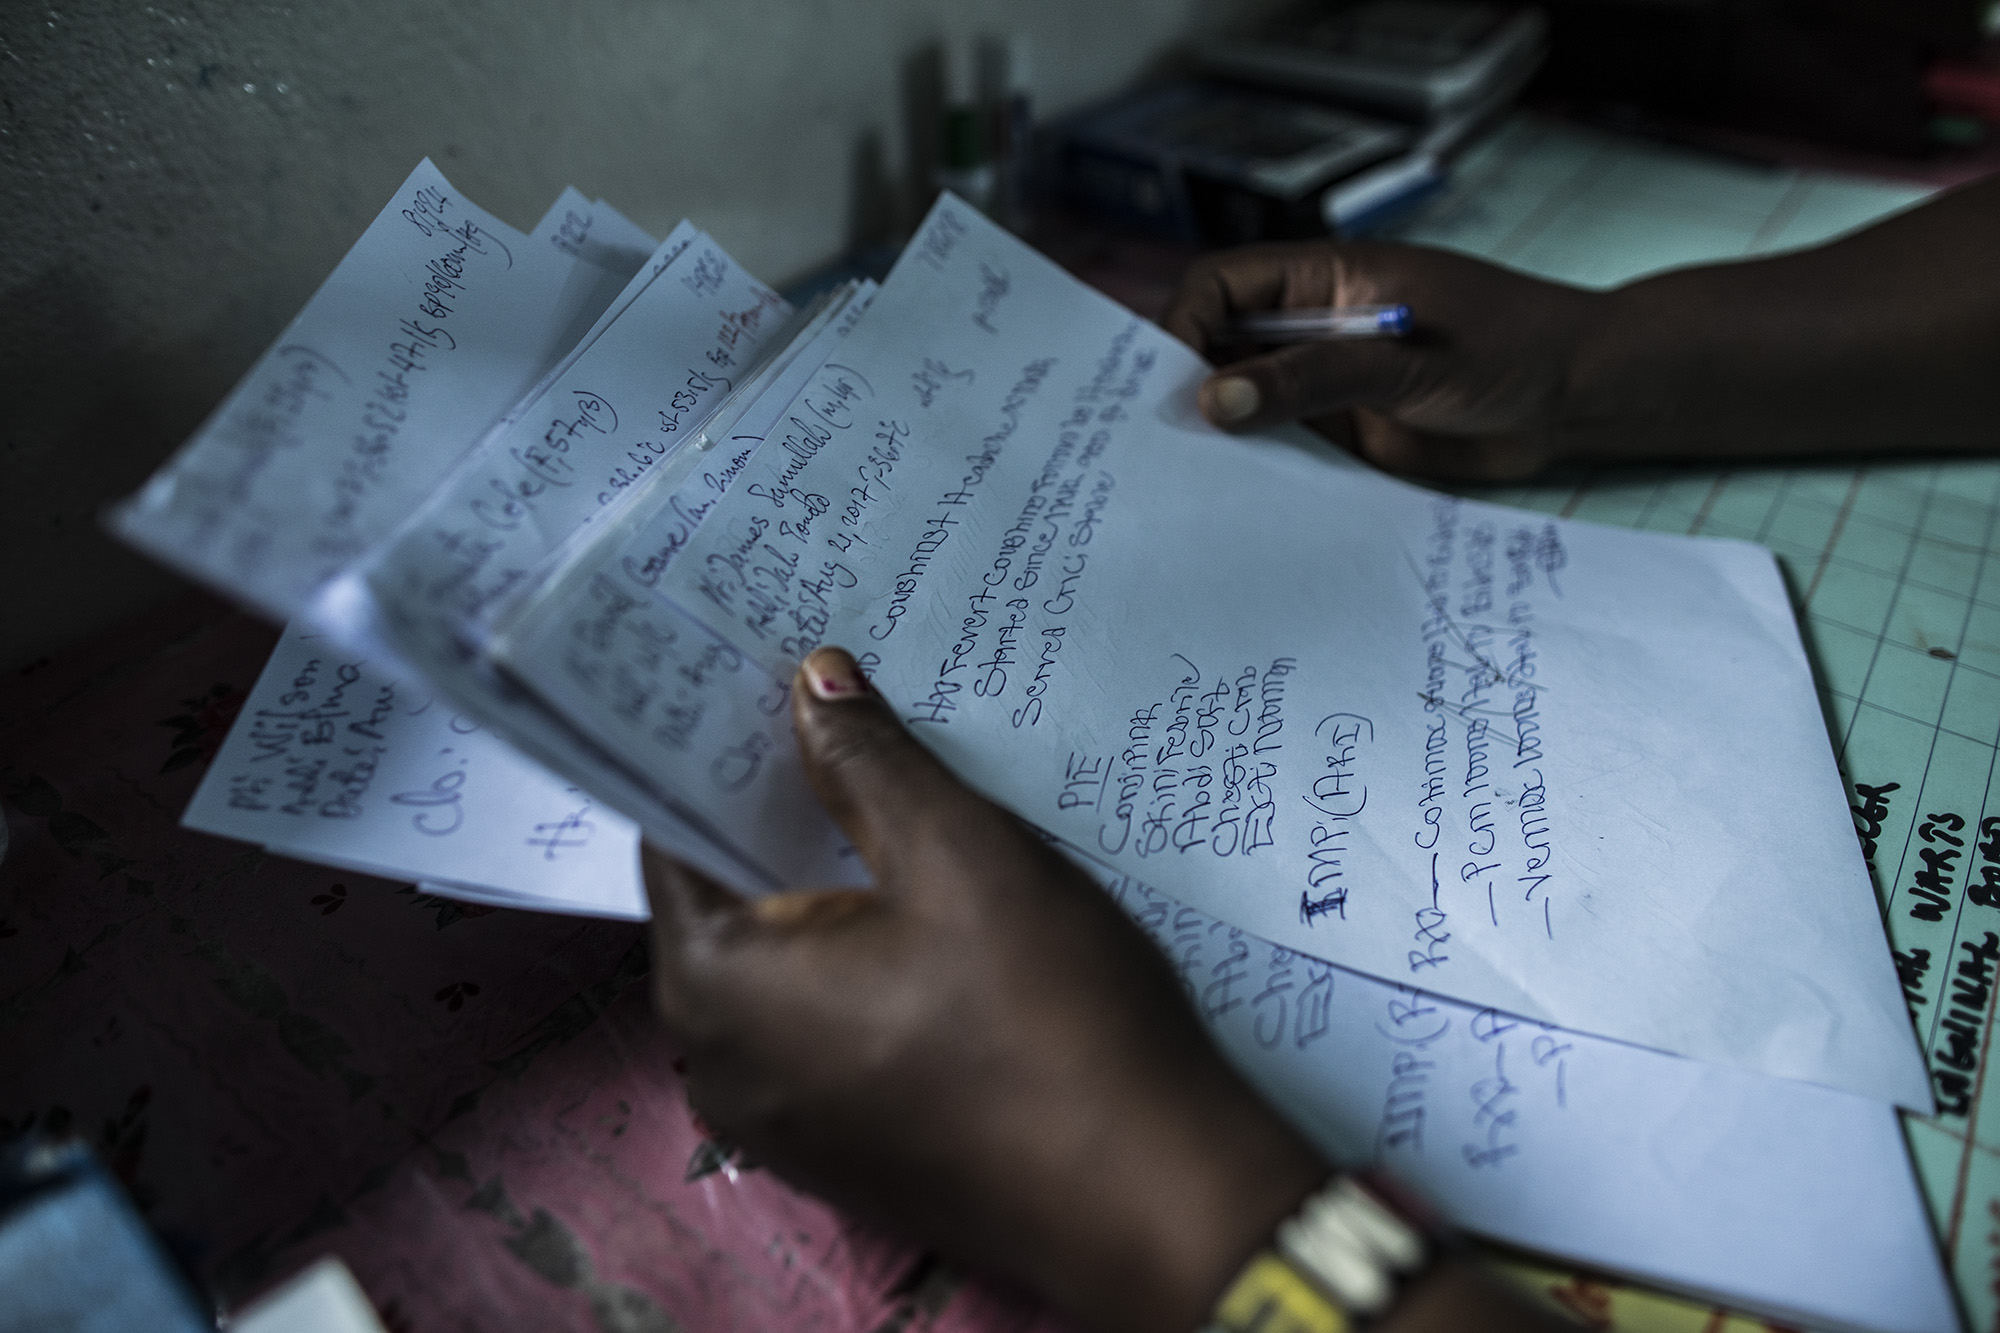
[(692, 916), (885, 791), (685, 902), (1313, 379)]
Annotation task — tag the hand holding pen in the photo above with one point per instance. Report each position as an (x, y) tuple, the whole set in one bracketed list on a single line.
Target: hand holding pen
[(1421, 360)]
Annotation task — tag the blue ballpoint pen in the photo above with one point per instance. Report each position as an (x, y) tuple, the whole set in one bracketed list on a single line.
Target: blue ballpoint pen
[(1322, 322)]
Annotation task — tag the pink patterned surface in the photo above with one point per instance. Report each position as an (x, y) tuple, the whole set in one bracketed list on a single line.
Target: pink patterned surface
[(471, 1106)]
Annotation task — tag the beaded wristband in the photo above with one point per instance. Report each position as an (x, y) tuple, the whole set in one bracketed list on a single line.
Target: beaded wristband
[(1338, 1264)]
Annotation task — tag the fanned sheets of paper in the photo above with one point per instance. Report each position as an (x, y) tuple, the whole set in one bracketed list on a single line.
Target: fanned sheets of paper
[(1537, 779)]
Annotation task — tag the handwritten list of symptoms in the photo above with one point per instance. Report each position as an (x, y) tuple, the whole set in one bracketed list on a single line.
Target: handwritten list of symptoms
[(1671, 1170), (1337, 711)]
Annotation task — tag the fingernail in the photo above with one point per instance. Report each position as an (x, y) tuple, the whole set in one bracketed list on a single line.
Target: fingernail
[(832, 675), (1234, 399)]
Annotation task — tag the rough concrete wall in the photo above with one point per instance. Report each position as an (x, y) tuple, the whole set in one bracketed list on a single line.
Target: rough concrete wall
[(175, 180)]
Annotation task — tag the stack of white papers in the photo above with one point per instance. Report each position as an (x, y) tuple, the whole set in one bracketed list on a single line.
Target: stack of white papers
[(1506, 851)]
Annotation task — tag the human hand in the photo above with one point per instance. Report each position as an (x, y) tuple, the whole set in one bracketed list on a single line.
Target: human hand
[(981, 1052), (1475, 393)]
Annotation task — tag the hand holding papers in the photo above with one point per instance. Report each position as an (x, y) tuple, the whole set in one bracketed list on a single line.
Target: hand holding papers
[(1499, 758), (1575, 780)]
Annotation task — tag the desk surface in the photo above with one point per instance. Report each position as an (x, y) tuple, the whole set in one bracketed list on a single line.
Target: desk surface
[(1892, 566)]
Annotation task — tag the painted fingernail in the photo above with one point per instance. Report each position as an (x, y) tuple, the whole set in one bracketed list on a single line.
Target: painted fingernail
[(1233, 398), (832, 675)]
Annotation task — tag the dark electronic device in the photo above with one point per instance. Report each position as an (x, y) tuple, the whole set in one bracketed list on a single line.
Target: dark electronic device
[(1219, 165), (1416, 59)]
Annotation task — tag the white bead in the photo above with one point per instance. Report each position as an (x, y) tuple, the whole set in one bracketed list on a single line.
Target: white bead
[(1386, 1233), (1326, 1248)]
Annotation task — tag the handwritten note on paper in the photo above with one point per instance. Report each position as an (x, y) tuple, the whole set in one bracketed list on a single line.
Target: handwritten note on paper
[(349, 793), (594, 231), (605, 421), (437, 320), (1793, 1200), (607, 251), (627, 402), (334, 760), (649, 681), (617, 231), (1564, 771)]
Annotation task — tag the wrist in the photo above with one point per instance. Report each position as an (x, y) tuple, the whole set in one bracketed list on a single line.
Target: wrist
[(1613, 398), (1459, 1296), (1345, 1260), (1172, 1205), (1363, 1254)]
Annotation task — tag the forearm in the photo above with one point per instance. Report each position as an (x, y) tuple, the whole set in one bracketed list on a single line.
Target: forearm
[(1193, 1185), (1168, 1198), (1888, 340), (1459, 1296)]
